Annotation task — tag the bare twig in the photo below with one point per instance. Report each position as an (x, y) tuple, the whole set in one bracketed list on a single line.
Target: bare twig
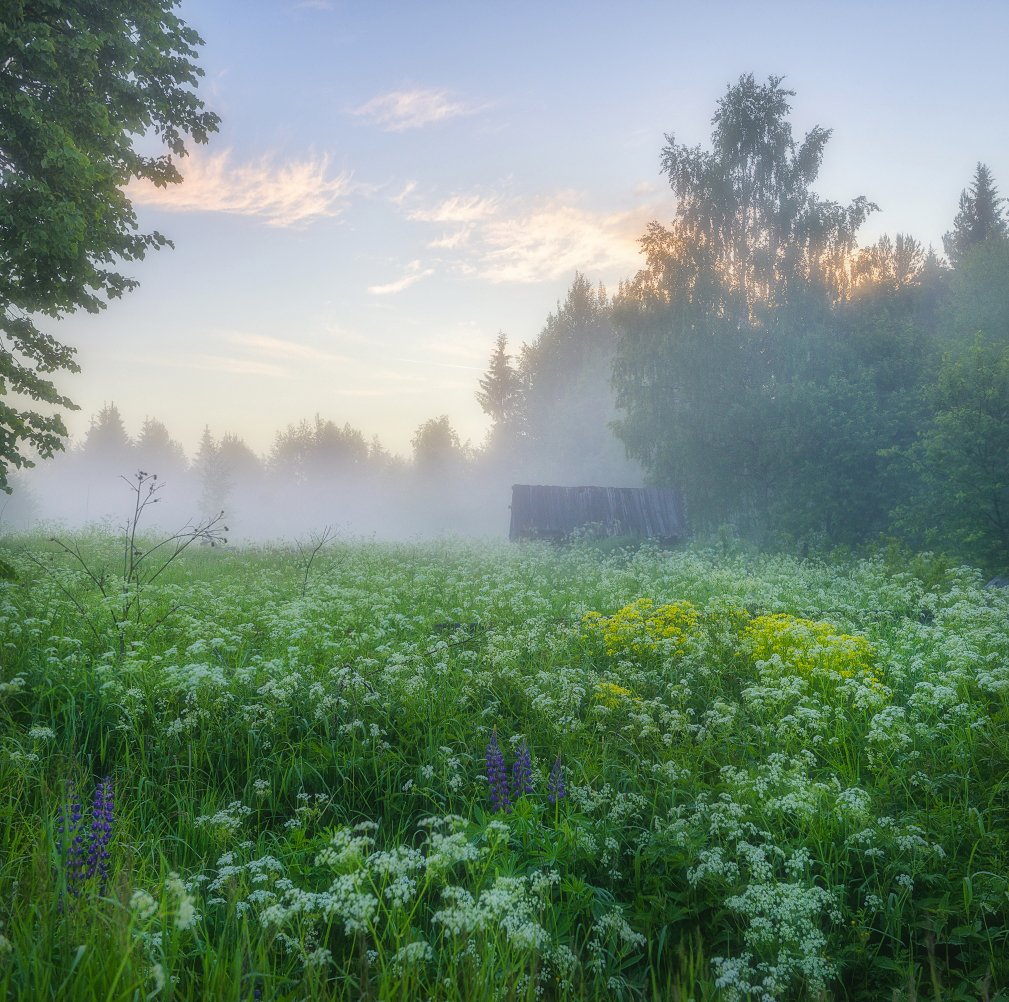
[(137, 571), (66, 591), (319, 539)]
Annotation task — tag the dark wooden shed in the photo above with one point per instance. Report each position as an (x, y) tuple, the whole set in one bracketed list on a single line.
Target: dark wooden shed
[(554, 513)]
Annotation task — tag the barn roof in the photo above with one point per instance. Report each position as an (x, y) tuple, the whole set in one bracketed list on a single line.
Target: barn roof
[(541, 512)]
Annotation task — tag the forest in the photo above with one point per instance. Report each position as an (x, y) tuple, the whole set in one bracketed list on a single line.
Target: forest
[(798, 388)]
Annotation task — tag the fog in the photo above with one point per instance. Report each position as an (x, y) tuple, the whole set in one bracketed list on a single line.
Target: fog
[(317, 475), (552, 409)]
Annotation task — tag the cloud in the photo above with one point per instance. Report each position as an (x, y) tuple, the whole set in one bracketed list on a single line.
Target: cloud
[(408, 190), (415, 272), (400, 110), (558, 238), (525, 241), (294, 193), (458, 209), (462, 211), (452, 241)]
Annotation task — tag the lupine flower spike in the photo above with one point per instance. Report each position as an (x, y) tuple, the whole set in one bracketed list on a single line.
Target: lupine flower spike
[(71, 840), (522, 772), (79, 866), (555, 784), (101, 833), (497, 775)]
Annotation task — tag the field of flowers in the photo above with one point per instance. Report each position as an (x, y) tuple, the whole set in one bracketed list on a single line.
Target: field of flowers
[(476, 772)]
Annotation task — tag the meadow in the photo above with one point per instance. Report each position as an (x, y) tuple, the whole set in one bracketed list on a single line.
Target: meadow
[(490, 772)]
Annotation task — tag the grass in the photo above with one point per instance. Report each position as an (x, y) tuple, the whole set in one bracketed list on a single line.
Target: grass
[(782, 779)]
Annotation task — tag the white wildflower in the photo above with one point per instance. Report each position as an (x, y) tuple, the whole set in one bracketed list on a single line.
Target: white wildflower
[(143, 906)]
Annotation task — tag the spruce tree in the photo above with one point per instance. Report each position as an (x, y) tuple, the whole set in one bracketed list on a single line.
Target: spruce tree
[(980, 217), (500, 394)]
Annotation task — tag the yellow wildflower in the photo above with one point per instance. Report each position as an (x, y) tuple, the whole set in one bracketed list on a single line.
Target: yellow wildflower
[(807, 646), (611, 695), (643, 627)]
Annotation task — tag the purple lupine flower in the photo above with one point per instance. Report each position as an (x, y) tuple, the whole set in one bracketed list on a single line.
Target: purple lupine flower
[(497, 776), (555, 784), (72, 840), (75, 856), (101, 832), (522, 772)]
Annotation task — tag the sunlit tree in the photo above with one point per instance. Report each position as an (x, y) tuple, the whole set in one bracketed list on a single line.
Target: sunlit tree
[(746, 215), (733, 297), (892, 263)]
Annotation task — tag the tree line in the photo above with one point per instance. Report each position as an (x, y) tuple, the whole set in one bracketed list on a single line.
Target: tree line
[(317, 472), (795, 386)]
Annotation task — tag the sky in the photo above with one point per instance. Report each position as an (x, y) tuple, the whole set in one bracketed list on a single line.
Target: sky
[(395, 183)]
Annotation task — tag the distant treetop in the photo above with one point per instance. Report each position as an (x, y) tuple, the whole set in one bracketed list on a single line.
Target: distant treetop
[(980, 217)]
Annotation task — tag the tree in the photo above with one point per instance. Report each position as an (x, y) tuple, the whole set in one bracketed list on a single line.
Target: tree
[(215, 481), (578, 334), (732, 305), (80, 84), (962, 455), (890, 263), (500, 393), (157, 452), (291, 456), (980, 217), (754, 225), (978, 297), (337, 450), (314, 452), (579, 329), (568, 395), (107, 446), (242, 466), (436, 448)]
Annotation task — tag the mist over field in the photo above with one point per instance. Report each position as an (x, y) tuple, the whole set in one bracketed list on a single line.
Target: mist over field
[(551, 414)]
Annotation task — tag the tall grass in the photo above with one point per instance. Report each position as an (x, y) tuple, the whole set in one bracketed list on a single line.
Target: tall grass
[(779, 779)]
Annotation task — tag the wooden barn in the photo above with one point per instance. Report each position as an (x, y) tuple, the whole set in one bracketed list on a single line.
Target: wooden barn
[(554, 513)]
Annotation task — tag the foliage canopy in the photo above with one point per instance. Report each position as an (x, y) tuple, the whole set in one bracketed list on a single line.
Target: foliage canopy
[(86, 89)]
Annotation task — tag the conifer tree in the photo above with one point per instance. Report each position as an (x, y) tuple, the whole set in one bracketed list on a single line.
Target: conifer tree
[(980, 217), (107, 444), (157, 452), (500, 393)]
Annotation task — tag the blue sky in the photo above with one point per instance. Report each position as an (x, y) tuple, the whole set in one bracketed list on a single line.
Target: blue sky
[(394, 183)]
